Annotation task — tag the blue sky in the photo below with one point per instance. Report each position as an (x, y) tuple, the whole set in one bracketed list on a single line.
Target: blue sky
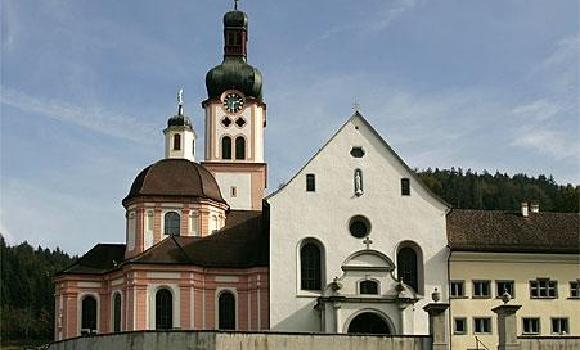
[(87, 87)]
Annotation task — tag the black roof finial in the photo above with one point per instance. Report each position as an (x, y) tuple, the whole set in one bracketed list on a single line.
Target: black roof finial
[(236, 4)]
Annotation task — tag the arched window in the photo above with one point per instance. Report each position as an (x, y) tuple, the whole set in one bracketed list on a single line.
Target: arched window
[(407, 267), (240, 148), (177, 142), (227, 311), (89, 314), (172, 223), (117, 312), (369, 287), (226, 147), (310, 267), (163, 309)]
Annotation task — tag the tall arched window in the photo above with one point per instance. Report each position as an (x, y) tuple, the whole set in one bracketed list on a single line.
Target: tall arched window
[(407, 267), (227, 311), (163, 309), (89, 314), (240, 148), (172, 223), (226, 147), (117, 312), (310, 267), (177, 142)]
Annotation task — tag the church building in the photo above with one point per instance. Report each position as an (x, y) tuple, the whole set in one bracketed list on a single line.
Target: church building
[(354, 242)]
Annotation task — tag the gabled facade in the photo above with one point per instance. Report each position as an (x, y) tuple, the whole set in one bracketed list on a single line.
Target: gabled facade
[(353, 191)]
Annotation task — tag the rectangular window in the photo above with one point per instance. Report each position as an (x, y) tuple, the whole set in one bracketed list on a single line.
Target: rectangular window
[(194, 224), (574, 289), (481, 289), (310, 183), (560, 325), (543, 288), (405, 187), (503, 286), (150, 220), (530, 325), (457, 289), (234, 191), (481, 325), (459, 325)]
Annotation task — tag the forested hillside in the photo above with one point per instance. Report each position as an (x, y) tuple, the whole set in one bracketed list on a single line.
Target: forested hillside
[(27, 292), (470, 190)]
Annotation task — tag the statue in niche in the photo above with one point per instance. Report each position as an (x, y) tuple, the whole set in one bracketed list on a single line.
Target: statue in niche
[(358, 183)]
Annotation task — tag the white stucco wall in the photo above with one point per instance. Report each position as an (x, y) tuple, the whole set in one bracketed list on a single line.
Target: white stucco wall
[(324, 214), (243, 184)]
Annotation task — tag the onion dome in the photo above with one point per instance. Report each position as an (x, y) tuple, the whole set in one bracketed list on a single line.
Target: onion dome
[(234, 73), (175, 177)]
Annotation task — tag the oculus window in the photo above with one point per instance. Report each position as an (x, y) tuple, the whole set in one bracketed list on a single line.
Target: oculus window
[(357, 152), (359, 226)]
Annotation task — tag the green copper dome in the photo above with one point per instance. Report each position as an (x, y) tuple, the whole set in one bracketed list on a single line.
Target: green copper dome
[(234, 73)]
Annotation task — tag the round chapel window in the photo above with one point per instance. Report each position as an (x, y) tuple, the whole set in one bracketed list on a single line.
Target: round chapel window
[(359, 226)]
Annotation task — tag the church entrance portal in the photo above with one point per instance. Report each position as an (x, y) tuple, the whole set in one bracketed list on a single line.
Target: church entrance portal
[(368, 323)]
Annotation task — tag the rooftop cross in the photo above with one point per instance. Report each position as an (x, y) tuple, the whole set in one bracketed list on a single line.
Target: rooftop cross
[(236, 4), (368, 242), (180, 102)]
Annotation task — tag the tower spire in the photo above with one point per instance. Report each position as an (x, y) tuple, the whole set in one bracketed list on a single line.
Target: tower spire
[(180, 103)]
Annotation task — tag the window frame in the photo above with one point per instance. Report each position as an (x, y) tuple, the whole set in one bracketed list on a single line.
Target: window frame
[(572, 288), (310, 182), (475, 331), (305, 279), (463, 295), (499, 293), (240, 145), (474, 289), (547, 288), (114, 312), (405, 186), (464, 321), (170, 310), (177, 142), (369, 280), (560, 332), (226, 151), (234, 317), (537, 319), (83, 298), (165, 223)]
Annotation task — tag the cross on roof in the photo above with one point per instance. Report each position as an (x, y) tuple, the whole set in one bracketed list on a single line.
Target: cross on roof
[(368, 242), (236, 4)]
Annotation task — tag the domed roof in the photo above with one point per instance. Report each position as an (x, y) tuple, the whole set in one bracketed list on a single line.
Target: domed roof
[(234, 74), (175, 177)]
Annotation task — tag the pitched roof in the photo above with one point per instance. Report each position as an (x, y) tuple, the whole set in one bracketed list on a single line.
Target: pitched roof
[(504, 231), (175, 177), (100, 259), (242, 243), (359, 116)]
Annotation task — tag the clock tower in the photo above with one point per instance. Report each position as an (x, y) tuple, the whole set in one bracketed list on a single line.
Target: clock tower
[(235, 118)]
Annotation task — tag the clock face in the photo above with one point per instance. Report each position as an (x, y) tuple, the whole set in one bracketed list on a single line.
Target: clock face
[(233, 102)]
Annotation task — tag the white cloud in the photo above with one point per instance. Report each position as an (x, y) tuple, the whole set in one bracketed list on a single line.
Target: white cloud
[(553, 143), (538, 110), (97, 119)]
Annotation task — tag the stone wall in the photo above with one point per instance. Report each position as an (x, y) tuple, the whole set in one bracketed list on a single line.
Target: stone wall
[(550, 343), (212, 340)]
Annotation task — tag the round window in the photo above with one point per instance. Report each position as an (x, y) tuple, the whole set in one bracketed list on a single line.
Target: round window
[(359, 226)]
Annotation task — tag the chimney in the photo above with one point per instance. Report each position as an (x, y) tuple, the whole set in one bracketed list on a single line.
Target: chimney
[(525, 212), (535, 207)]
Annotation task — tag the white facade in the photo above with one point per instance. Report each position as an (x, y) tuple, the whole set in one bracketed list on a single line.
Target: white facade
[(323, 216)]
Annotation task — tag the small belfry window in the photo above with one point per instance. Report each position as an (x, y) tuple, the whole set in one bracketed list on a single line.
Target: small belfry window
[(310, 272), (405, 187), (177, 142), (226, 147), (172, 224), (240, 147), (369, 287), (310, 183)]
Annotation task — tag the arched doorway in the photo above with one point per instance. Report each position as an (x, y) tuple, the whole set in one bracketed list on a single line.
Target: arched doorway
[(368, 323)]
